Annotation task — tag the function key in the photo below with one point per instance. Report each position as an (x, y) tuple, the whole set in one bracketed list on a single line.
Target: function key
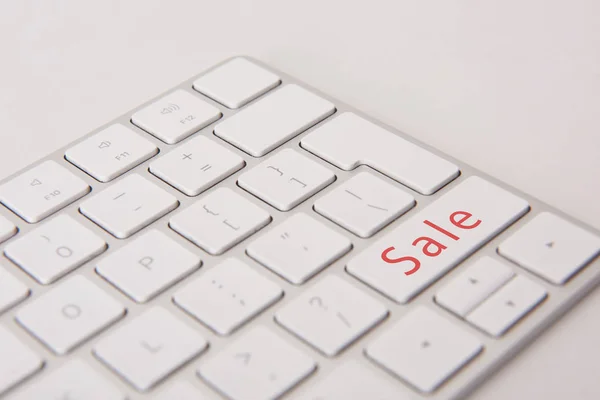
[(236, 83), (176, 116), (111, 152), (41, 191)]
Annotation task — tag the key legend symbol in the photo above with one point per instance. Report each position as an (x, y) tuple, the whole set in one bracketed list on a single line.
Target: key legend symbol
[(169, 109), (35, 182), (104, 144)]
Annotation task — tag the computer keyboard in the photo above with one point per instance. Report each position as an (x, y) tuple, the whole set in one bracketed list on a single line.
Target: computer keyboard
[(245, 236)]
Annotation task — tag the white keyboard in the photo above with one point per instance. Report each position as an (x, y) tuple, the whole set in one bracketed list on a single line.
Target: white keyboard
[(244, 236)]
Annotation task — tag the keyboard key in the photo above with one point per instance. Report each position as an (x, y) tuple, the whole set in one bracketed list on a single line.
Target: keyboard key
[(331, 315), (271, 121), (236, 83), (41, 191), (176, 116), (196, 165), (424, 349), (111, 152), (147, 266), (12, 291), (298, 248), (465, 292), (349, 141), (219, 220), (416, 253), (69, 314), (226, 296), (286, 179), (61, 245), (128, 206), (149, 348), (507, 306), (7, 229), (17, 361), (181, 390), (352, 381), (258, 365), (72, 381), (364, 204), (551, 247)]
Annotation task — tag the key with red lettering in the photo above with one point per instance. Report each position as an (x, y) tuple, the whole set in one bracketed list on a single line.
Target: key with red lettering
[(415, 254)]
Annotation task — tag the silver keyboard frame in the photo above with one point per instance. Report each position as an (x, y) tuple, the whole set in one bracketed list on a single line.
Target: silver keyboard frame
[(496, 351)]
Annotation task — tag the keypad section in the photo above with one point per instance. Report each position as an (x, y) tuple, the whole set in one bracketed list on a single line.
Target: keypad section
[(41, 191), (227, 296), (61, 245), (219, 220), (69, 314), (17, 362), (551, 247), (286, 179), (364, 204), (12, 291), (426, 246), (273, 120), (236, 82), (196, 165), (331, 315), (258, 365), (176, 116), (149, 348), (349, 141), (424, 349), (111, 152), (298, 248), (148, 265), (128, 206)]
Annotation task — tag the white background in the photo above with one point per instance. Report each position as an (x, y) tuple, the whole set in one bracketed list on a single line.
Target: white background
[(511, 87)]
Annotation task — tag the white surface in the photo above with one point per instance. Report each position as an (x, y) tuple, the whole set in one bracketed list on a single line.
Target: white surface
[(149, 347), (431, 242), (17, 362), (509, 87), (55, 248), (74, 380), (7, 229), (286, 179), (181, 390), (111, 152), (348, 141), (12, 290)]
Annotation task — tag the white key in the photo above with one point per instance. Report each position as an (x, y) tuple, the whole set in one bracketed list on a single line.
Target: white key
[(12, 291), (147, 266), (551, 247), (331, 315), (226, 296), (17, 361), (69, 314), (196, 165), (111, 152), (298, 248), (128, 206), (236, 83), (465, 292), (60, 245), (352, 381), (258, 365), (364, 204), (271, 121), (176, 116), (219, 220), (149, 348), (7, 229), (507, 306), (349, 141), (424, 349), (286, 179), (181, 390), (416, 253), (41, 191), (75, 380)]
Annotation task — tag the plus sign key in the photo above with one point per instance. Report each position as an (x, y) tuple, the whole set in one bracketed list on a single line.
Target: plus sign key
[(196, 165)]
